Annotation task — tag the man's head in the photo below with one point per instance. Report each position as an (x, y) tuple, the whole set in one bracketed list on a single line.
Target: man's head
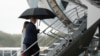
[(33, 20)]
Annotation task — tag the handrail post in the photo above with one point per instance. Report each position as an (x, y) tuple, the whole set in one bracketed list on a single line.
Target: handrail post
[(99, 37), (77, 12), (99, 30)]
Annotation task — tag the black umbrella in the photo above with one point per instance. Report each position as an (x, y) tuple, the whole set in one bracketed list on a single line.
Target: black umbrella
[(40, 13)]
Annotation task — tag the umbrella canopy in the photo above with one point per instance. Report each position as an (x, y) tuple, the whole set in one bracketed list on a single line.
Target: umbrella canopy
[(40, 13)]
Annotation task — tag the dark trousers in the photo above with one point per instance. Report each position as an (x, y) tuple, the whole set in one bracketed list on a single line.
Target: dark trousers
[(32, 50)]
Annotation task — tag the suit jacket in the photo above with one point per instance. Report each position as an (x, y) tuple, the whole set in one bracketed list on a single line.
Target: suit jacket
[(31, 34)]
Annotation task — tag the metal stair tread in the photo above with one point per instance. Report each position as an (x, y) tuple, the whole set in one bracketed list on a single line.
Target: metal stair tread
[(43, 54), (56, 43)]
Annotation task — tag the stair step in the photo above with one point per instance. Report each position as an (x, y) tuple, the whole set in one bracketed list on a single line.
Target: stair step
[(47, 50), (56, 43), (50, 49), (61, 38), (43, 54), (52, 46)]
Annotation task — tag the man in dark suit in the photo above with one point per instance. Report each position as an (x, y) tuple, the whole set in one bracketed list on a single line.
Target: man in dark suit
[(31, 37)]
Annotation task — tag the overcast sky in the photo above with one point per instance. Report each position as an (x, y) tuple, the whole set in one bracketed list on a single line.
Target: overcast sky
[(10, 10), (9, 13)]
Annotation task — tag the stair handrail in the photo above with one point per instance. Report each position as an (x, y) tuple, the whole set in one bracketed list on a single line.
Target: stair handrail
[(68, 21)]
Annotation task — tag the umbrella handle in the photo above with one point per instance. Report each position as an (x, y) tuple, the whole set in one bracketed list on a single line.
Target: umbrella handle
[(37, 24)]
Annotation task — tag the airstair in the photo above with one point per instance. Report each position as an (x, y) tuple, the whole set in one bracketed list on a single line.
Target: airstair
[(66, 34), (75, 28)]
